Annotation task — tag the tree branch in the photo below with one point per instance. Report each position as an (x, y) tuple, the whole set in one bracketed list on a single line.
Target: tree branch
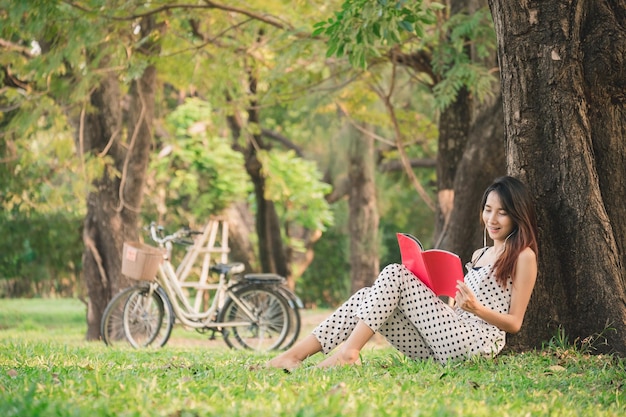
[(270, 20), (15, 47), (282, 140), (396, 165), (419, 61), (13, 82), (386, 98), (340, 189)]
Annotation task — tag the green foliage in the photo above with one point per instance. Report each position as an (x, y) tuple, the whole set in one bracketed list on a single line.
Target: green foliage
[(47, 369), (296, 185), (459, 47), (57, 46), (402, 211), (364, 30), (213, 56), (326, 282), (42, 254), (363, 26), (40, 171), (197, 174)]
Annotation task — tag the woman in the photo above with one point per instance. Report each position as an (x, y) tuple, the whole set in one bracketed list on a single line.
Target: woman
[(490, 302)]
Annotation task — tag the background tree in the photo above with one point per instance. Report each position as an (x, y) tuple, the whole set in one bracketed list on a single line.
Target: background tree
[(563, 83), (250, 89), (73, 68), (185, 180), (471, 145), (454, 59), (113, 208), (363, 203), (41, 251)]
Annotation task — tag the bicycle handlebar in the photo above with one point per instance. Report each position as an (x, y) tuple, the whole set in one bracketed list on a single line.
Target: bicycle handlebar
[(179, 234)]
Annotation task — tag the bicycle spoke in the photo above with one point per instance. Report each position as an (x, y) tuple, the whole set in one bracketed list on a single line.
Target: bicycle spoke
[(268, 326), (147, 318)]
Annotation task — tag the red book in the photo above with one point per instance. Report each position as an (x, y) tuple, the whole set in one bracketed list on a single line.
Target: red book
[(437, 268)]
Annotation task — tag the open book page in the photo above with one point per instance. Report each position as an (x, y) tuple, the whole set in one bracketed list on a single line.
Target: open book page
[(444, 269), (411, 253), (438, 269)]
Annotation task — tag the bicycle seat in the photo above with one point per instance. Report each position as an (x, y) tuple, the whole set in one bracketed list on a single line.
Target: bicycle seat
[(233, 268), (264, 278)]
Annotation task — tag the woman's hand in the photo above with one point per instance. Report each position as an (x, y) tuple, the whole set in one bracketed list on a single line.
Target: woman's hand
[(510, 322), (465, 298)]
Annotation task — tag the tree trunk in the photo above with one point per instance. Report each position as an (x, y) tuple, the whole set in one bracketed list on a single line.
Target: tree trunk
[(102, 227), (240, 228), (114, 205), (272, 255), (483, 160), (562, 70), (267, 225), (363, 209), (454, 125), (271, 251), (111, 220)]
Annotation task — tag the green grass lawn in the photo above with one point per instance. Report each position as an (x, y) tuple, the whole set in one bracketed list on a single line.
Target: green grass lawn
[(47, 369)]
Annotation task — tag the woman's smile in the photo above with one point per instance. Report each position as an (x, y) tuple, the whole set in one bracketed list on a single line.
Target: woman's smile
[(497, 220)]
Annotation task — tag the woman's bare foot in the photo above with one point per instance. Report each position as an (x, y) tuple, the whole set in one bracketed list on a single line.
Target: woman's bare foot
[(293, 357), (284, 362), (341, 357)]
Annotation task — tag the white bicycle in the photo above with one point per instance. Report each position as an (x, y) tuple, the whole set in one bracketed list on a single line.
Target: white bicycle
[(251, 311)]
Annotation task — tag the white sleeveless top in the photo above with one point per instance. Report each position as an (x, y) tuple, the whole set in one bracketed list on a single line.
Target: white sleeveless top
[(489, 293)]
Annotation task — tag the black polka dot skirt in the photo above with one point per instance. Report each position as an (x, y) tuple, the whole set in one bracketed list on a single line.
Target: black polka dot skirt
[(411, 317)]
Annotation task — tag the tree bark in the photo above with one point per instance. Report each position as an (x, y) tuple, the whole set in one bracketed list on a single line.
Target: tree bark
[(113, 207), (563, 82), (272, 254), (363, 209), (240, 228), (483, 160), (454, 124)]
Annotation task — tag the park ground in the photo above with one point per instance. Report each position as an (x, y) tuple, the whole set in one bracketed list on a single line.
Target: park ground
[(48, 369)]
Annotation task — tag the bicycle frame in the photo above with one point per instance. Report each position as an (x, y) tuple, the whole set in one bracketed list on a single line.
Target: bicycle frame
[(183, 310), (226, 292)]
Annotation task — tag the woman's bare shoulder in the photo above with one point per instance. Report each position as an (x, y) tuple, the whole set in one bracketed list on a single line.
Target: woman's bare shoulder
[(527, 255), (526, 267), (479, 251)]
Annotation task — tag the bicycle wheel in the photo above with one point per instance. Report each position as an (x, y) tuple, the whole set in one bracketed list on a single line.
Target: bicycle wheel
[(295, 322), (262, 317), (148, 318), (112, 323)]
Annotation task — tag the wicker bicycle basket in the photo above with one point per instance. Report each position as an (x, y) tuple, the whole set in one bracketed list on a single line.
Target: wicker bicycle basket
[(141, 261)]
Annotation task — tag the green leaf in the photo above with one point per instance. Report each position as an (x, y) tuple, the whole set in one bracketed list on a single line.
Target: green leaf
[(318, 31)]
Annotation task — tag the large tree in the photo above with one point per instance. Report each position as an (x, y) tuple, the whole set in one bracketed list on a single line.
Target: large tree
[(563, 81), (107, 94), (114, 205), (363, 209)]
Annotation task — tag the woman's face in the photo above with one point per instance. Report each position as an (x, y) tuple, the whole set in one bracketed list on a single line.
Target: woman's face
[(497, 220)]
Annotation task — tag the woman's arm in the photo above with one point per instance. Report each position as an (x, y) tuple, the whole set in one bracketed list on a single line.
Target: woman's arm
[(525, 277)]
